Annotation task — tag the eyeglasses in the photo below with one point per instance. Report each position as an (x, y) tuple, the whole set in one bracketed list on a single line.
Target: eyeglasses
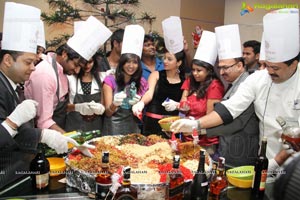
[(226, 67)]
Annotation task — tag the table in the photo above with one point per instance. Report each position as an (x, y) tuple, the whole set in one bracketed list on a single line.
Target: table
[(22, 189)]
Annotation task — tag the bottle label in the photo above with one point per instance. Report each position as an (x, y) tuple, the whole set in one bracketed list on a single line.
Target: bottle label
[(263, 179), (126, 197), (204, 184), (42, 180), (102, 190)]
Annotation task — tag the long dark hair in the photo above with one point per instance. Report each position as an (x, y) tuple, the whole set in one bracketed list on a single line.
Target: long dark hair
[(136, 77), (200, 88), (180, 56)]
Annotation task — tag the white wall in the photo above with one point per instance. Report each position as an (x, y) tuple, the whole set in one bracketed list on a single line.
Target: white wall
[(251, 23)]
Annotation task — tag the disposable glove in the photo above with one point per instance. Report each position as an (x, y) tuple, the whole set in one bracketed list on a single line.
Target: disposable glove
[(118, 98), (84, 108), (24, 112), (84, 148), (170, 105), (135, 99), (97, 108), (138, 108), (55, 140), (184, 125)]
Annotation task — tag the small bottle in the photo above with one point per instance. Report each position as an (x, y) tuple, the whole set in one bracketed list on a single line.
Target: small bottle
[(219, 182), (290, 133), (199, 188), (40, 169), (126, 191), (103, 179), (260, 172), (176, 180)]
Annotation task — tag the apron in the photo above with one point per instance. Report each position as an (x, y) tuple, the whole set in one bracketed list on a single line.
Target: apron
[(60, 112), (76, 121), (122, 122)]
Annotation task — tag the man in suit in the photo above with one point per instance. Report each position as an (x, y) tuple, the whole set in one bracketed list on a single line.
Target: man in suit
[(17, 56)]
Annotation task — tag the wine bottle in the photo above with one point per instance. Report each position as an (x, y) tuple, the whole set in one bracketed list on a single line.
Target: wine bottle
[(290, 133), (199, 188), (126, 191), (260, 172), (39, 169), (176, 180), (103, 179), (219, 182)]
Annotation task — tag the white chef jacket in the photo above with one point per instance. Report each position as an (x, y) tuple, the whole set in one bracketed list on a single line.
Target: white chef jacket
[(270, 100), (72, 87)]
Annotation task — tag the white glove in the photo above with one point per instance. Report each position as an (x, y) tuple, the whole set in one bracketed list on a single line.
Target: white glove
[(55, 140), (134, 100), (184, 125), (170, 105), (97, 108), (84, 108), (118, 98), (138, 108), (24, 112)]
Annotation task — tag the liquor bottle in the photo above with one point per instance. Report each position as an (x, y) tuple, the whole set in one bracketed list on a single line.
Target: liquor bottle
[(290, 133), (176, 180), (260, 172), (40, 168), (199, 188), (103, 179), (219, 182), (126, 191)]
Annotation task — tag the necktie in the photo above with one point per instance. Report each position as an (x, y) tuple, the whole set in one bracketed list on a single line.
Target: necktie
[(20, 92)]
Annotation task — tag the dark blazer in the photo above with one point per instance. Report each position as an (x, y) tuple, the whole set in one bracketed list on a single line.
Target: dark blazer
[(239, 138), (15, 153)]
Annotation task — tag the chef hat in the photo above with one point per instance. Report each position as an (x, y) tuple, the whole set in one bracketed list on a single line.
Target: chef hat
[(173, 36), (207, 48), (20, 27), (262, 53), (133, 40), (88, 39), (281, 33), (228, 41), (78, 25), (41, 36)]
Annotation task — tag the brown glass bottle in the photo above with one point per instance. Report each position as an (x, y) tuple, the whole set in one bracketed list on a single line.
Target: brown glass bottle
[(176, 180), (39, 169), (126, 191), (103, 179), (219, 182), (260, 172)]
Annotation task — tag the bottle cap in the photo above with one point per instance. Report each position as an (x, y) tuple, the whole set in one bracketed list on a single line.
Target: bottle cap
[(105, 157)]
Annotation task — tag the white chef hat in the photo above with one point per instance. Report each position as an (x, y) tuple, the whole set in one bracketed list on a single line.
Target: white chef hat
[(228, 41), (262, 53), (41, 36), (281, 33), (207, 48), (89, 38), (78, 25), (20, 27), (173, 35), (133, 40)]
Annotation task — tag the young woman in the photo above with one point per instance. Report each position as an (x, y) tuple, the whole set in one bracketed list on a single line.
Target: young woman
[(201, 90), (121, 91), (85, 88), (163, 85)]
